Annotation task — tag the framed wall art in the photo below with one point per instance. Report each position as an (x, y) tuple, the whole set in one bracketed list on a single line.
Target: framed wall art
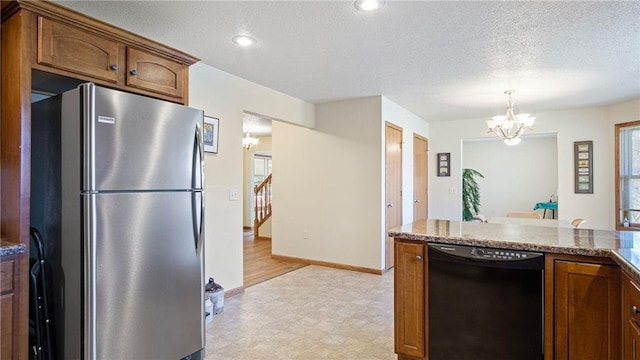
[(444, 164), (583, 167), (211, 134)]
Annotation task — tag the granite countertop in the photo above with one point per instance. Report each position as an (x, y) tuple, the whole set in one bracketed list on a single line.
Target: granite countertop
[(621, 246), (11, 248)]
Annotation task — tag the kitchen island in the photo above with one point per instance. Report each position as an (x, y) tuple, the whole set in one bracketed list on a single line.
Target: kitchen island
[(591, 296)]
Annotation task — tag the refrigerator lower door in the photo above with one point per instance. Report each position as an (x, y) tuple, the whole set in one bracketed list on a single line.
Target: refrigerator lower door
[(147, 263)]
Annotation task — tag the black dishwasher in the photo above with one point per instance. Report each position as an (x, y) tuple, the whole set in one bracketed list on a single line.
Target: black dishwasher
[(485, 303)]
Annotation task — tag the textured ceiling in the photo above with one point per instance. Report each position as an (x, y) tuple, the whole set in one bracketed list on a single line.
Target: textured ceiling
[(442, 60), (256, 125)]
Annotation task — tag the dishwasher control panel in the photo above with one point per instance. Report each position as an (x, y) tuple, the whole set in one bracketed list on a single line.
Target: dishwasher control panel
[(491, 254)]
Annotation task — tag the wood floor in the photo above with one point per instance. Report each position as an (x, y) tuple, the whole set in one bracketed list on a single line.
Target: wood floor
[(258, 264)]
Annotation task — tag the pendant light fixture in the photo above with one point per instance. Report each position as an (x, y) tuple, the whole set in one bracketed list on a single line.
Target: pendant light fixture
[(248, 142), (509, 127)]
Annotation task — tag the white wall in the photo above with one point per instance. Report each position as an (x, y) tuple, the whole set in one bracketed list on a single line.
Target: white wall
[(593, 123), (263, 147), (328, 184), (410, 124), (515, 177), (226, 96)]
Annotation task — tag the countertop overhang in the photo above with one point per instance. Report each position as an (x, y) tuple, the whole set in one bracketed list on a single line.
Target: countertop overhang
[(623, 247), (10, 248)]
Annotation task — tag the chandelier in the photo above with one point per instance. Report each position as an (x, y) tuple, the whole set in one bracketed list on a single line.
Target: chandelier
[(510, 126), (248, 142)]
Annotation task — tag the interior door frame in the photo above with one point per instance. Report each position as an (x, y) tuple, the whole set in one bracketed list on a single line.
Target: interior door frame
[(389, 256), (426, 199)]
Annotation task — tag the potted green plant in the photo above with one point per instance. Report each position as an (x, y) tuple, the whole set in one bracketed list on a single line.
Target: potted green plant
[(470, 194)]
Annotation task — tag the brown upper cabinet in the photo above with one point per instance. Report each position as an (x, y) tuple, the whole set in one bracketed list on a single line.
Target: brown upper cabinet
[(86, 49), (150, 72), (66, 47)]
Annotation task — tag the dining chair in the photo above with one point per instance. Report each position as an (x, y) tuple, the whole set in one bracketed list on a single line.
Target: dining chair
[(522, 214), (479, 218), (577, 222)]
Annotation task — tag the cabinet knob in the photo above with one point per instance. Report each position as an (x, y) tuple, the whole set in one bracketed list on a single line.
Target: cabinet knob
[(134, 72), (389, 205), (114, 67), (419, 258), (634, 310)]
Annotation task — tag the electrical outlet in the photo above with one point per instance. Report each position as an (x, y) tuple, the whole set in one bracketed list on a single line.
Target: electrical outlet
[(453, 190), (305, 234), (233, 194)]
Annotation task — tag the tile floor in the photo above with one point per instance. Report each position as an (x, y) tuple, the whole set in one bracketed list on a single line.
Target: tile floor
[(312, 313)]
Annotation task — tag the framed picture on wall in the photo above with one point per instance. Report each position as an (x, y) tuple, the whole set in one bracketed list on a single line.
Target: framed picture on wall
[(210, 134), (583, 167), (444, 164)]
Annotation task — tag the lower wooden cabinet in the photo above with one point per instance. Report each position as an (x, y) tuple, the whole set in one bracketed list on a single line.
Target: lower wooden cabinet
[(7, 296), (583, 299), (410, 299), (630, 319), (586, 310)]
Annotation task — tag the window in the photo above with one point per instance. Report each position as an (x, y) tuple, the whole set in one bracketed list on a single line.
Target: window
[(261, 168), (628, 174)]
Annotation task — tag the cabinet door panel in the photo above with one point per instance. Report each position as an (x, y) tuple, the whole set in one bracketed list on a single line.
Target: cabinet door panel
[(68, 48), (587, 311), (410, 299), (154, 73), (630, 319)]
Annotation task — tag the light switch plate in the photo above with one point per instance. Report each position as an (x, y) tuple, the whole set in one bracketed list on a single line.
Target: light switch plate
[(233, 194)]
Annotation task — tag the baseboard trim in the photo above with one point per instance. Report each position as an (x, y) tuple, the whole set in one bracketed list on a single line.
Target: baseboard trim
[(234, 292), (329, 264)]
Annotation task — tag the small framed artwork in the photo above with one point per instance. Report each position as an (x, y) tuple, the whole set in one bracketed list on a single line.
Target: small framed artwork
[(583, 167), (211, 134), (444, 164)]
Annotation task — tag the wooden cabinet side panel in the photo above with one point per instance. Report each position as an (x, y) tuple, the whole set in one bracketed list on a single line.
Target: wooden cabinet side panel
[(6, 326), (587, 311), (66, 47), (154, 73), (410, 299)]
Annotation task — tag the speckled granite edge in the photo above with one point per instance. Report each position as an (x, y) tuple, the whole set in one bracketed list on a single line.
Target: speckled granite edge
[(9, 248), (507, 245), (623, 247), (625, 265)]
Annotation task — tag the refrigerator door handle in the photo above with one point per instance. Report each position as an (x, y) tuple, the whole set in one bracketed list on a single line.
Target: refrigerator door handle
[(198, 221), (198, 160), (198, 165)]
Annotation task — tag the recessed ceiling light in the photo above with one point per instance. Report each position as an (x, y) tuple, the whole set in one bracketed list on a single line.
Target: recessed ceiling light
[(243, 40), (368, 5)]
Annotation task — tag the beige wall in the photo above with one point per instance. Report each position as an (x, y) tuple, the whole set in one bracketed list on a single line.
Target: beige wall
[(330, 182), (595, 123), (226, 96)]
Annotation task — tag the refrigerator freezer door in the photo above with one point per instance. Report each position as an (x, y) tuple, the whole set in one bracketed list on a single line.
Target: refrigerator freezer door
[(139, 143), (149, 282)]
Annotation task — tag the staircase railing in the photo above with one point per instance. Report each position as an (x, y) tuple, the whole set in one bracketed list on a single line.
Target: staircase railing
[(262, 204)]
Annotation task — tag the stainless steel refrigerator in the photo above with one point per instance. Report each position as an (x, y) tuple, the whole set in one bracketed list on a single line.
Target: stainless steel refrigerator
[(117, 190)]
